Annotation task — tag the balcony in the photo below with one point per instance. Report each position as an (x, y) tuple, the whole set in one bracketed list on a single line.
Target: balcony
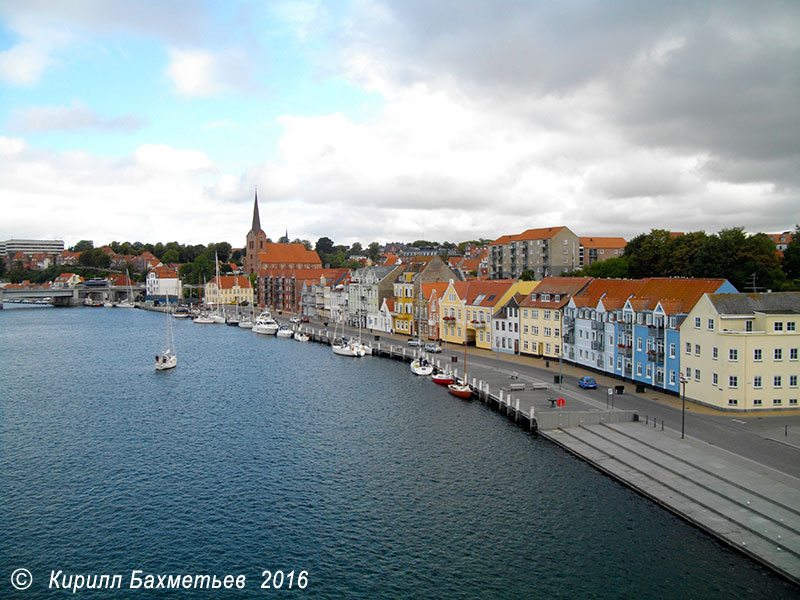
[(597, 325), (478, 324), (597, 345), (625, 349), (655, 356), (568, 322)]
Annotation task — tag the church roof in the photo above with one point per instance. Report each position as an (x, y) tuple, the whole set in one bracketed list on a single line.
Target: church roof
[(256, 219)]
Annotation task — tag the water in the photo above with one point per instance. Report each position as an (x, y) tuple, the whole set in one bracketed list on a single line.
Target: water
[(260, 453)]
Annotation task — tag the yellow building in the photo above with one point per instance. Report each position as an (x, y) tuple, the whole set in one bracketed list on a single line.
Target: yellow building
[(540, 315), (410, 307), (466, 310), (229, 289), (740, 351)]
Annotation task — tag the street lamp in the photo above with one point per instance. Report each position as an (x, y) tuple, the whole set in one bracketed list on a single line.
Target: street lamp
[(683, 403)]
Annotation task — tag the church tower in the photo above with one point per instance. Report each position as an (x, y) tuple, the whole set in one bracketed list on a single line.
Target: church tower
[(256, 241)]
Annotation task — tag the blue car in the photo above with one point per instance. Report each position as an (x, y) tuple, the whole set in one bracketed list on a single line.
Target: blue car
[(587, 383)]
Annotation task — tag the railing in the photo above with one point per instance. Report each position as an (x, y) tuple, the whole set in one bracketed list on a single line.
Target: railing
[(654, 356), (597, 325), (597, 345)]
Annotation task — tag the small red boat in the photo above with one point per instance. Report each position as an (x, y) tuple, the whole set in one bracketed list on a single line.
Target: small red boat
[(460, 390), (442, 378)]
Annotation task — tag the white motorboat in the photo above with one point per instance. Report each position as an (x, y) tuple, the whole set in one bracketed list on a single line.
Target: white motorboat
[(181, 313), (421, 366), (265, 324), (301, 336), (284, 331), (203, 319)]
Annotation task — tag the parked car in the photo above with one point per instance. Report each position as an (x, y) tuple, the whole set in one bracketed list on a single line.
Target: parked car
[(294, 320), (304, 319), (414, 343), (587, 382), (433, 348)]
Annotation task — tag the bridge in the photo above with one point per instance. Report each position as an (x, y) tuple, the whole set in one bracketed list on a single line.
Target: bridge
[(69, 296)]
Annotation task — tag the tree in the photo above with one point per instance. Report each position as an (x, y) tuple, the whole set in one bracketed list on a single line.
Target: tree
[(647, 254), (791, 256), (171, 256), (374, 251), (355, 249), (324, 246), (94, 257), (82, 246), (528, 275), (223, 250), (284, 239), (612, 268)]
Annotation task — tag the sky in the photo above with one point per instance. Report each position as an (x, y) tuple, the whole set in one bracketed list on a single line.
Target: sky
[(370, 120)]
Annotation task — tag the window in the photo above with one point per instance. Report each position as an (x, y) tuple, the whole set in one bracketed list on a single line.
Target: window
[(777, 381), (672, 377), (733, 381), (732, 402), (534, 314), (672, 350), (524, 313), (697, 322), (792, 353), (524, 329), (757, 354), (547, 315), (793, 381), (778, 354), (688, 348), (757, 402), (733, 354), (790, 326), (711, 324), (715, 379), (697, 349), (638, 369), (638, 344), (697, 374), (557, 349), (778, 326), (776, 402), (715, 353), (525, 344), (649, 371), (757, 382), (535, 330), (748, 325), (793, 401), (556, 332), (548, 332)]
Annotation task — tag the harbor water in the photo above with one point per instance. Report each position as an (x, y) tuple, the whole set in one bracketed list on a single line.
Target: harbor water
[(263, 454)]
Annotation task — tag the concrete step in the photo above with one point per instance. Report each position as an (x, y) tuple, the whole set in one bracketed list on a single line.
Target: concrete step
[(734, 524)]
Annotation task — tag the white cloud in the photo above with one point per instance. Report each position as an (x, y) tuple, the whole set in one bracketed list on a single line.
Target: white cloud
[(160, 157), (202, 73)]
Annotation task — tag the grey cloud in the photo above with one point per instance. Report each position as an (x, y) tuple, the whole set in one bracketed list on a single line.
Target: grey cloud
[(75, 118)]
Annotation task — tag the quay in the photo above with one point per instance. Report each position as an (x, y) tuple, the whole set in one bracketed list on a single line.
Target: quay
[(736, 478)]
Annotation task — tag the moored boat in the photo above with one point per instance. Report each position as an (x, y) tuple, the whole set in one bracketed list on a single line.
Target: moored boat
[(421, 366), (442, 378), (265, 324), (301, 336), (284, 331)]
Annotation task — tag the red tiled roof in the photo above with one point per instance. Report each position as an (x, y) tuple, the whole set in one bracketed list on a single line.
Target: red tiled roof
[(276, 253), (684, 290), (562, 286), (165, 273), (603, 242), (228, 282)]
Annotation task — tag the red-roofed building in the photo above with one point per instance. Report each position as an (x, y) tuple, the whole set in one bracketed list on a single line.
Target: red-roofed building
[(781, 240), (229, 289), (67, 258), (596, 249), (67, 280), (163, 282), (546, 251)]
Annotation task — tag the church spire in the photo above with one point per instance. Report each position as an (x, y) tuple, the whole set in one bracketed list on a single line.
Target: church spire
[(256, 220), (287, 235)]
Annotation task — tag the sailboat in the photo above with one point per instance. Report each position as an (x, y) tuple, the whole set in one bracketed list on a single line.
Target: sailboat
[(216, 317), (461, 390), (168, 358), (341, 347), (128, 302), (248, 321), (420, 365)]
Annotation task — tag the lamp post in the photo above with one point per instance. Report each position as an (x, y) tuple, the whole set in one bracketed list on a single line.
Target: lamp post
[(683, 403)]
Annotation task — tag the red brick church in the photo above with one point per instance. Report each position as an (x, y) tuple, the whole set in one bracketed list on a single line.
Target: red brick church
[(280, 268)]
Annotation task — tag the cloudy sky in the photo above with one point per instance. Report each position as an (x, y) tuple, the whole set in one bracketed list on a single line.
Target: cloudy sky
[(372, 120)]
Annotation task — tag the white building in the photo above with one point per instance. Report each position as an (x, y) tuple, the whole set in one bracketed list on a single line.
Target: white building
[(161, 282)]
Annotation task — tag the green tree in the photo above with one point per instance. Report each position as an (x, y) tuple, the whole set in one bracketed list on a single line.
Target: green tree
[(791, 256), (528, 275), (94, 257), (684, 253), (171, 256), (82, 246), (374, 251), (324, 246), (355, 249), (612, 268), (647, 254)]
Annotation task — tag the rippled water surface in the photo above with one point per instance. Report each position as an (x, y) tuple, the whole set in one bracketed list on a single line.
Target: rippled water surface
[(262, 453)]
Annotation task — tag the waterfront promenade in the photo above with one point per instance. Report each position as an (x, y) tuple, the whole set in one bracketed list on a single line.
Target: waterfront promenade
[(737, 476)]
